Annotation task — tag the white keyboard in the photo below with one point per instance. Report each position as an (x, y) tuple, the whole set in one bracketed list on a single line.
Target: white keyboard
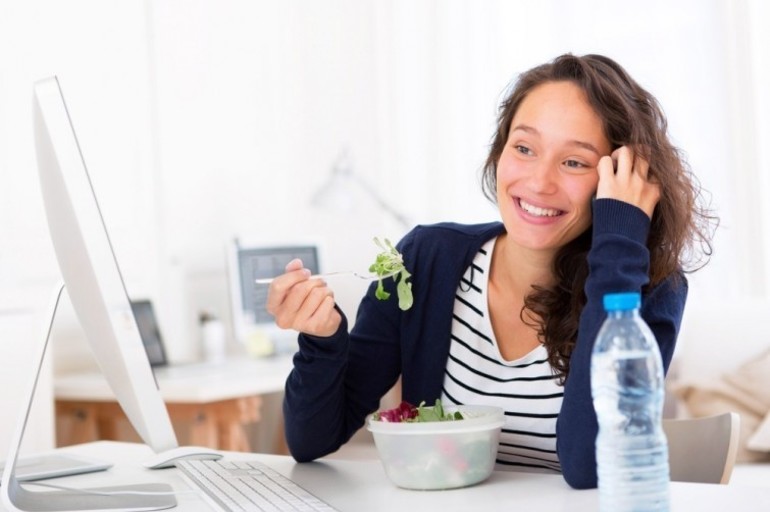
[(244, 485)]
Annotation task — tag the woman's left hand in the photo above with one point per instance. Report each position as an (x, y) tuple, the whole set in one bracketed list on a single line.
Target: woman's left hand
[(623, 176)]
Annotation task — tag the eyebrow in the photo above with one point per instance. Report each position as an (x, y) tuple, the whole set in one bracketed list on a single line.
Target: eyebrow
[(532, 130)]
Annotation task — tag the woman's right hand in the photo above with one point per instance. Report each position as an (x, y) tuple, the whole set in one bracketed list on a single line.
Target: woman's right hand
[(303, 304)]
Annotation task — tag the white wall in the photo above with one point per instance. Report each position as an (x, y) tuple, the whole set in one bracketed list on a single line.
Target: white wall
[(270, 92), (20, 339), (202, 120), (99, 51)]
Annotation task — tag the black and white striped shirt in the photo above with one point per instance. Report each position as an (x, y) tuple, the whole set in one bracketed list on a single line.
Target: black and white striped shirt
[(476, 373)]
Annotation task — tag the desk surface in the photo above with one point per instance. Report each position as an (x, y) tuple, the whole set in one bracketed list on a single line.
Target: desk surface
[(351, 485), (231, 379)]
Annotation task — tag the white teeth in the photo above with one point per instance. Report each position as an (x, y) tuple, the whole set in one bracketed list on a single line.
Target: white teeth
[(536, 210)]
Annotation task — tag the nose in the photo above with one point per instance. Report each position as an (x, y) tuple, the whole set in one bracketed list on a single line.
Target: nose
[(544, 177)]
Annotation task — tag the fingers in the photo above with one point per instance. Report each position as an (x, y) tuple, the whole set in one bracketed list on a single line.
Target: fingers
[(624, 176), (606, 171), (303, 304), (629, 162), (317, 314), (276, 295), (618, 169), (641, 166)]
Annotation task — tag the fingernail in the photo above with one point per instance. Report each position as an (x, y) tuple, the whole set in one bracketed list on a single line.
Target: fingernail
[(291, 264)]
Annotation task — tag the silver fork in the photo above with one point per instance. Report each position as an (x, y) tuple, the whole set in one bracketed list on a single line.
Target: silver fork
[(366, 277)]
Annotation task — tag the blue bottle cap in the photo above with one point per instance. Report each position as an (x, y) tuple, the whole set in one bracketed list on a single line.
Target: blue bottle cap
[(622, 301)]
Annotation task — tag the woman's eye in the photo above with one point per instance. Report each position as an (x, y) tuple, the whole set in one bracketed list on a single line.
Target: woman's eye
[(574, 164), (524, 150)]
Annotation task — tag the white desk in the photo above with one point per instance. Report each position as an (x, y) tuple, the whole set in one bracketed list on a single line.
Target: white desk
[(352, 485), (217, 402)]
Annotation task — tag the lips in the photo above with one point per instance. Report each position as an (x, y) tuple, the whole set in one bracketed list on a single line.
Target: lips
[(538, 211)]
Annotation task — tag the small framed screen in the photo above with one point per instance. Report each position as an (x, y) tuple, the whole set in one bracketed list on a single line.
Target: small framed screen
[(262, 262), (246, 265)]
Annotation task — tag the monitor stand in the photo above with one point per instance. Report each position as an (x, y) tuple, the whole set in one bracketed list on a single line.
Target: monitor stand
[(140, 497)]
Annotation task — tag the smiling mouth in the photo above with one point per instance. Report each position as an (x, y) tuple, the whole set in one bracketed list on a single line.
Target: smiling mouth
[(537, 211)]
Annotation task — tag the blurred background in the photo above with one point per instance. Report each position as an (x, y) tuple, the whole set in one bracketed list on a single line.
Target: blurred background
[(202, 121)]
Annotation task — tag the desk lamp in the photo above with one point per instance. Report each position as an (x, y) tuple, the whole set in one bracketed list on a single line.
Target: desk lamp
[(338, 192)]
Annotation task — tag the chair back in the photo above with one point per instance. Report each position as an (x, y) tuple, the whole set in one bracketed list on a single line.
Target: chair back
[(703, 449)]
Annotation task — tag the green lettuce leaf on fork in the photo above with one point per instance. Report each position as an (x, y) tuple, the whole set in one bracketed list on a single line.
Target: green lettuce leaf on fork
[(390, 263)]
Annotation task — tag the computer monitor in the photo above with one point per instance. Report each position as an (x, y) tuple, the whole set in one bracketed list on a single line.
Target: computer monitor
[(90, 269), (96, 289)]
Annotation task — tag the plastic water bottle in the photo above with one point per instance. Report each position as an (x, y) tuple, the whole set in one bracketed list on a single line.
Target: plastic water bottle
[(627, 388)]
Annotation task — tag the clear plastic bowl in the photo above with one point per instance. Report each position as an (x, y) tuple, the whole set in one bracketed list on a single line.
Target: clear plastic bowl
[(441, 454)]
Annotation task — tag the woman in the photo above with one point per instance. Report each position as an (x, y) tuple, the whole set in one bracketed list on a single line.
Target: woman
[(593, 199)]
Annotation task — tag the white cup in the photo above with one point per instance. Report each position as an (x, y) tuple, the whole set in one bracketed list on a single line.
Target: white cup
[(213, 332)]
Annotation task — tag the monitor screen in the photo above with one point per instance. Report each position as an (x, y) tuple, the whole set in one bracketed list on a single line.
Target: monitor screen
[(90, 269), (149, 330), (245, 266)]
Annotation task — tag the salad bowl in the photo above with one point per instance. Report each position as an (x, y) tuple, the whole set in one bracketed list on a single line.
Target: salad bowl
[(439, 454)]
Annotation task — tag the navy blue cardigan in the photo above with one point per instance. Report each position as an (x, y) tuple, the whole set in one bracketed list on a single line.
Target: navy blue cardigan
[(337, 381)]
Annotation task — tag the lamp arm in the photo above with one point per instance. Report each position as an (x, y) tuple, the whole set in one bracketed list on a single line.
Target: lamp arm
[(372, 192)]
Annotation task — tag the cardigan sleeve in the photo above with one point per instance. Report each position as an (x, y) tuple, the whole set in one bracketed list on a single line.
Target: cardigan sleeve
[(618, 262), (312, 392), (337, 381)]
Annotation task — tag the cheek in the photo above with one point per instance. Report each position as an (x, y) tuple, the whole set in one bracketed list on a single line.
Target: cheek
[(508, 169), (582, 190), (581, 194)]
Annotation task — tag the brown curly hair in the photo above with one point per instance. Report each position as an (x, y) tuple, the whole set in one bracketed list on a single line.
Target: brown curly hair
[(681, 227)]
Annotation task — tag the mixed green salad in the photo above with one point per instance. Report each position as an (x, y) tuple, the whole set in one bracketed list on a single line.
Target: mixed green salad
[(390, 263), (408, 413)]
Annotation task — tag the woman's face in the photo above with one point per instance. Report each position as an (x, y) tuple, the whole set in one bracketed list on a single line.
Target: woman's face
[(546, 174)]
